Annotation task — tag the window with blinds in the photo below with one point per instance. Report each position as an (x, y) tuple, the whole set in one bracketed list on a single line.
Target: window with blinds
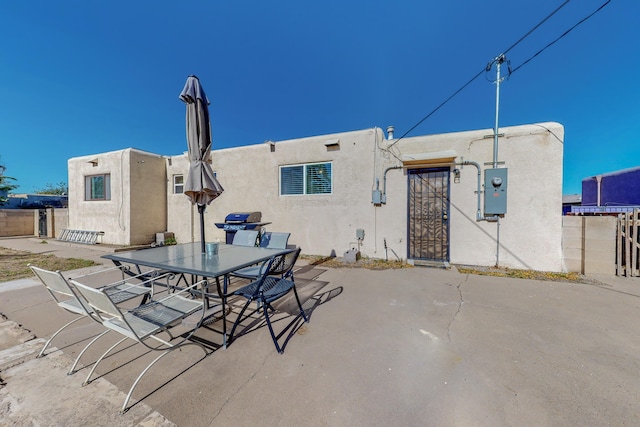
[(313, 178)]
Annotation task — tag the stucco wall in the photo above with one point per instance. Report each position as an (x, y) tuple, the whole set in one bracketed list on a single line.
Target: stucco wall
[(148, 197), (137, 208), (18, 222), (250, 176), (530, 233)]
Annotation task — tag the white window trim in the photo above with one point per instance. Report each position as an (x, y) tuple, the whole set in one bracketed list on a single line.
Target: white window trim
[(304, 179), (107, 187), (175, 185)]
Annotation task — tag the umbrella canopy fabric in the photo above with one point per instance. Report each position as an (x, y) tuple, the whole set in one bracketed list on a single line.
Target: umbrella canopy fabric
[(201, 187)]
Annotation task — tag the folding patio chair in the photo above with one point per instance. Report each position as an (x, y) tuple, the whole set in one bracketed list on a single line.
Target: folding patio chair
[(275, 282), (145, 322), (245, 238), (273, 240), (64, 297)]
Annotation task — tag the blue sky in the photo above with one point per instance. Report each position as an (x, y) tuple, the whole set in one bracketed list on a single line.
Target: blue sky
[(80, 78)]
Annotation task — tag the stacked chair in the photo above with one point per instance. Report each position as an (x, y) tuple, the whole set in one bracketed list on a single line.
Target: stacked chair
[(60, 291), (146, 324)]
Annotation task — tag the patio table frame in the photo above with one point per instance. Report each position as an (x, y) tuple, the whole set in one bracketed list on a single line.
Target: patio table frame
[(188, 258)]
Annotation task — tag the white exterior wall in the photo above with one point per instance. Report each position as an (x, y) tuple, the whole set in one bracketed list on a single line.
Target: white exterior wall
[(137, 208), (530, 232), (142, 200), (148, 197), (250, 177)]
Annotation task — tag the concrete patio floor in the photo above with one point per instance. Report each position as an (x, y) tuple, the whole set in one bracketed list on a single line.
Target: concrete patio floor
[(414, 347)]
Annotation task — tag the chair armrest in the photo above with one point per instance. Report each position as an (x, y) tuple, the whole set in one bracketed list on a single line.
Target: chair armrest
[(144, 283), (184, 292), (122, 268)]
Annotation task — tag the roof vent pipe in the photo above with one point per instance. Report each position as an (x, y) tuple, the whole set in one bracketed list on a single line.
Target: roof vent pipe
[(390, 130)]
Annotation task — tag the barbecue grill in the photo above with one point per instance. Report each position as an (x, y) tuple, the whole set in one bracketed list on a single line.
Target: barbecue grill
[(240, 221)]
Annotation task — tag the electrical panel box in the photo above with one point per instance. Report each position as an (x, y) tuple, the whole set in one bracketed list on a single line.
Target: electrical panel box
[(360, 234), (495, 191)]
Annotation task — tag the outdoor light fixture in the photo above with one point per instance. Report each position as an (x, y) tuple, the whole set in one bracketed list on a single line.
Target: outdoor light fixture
[(456, 176)]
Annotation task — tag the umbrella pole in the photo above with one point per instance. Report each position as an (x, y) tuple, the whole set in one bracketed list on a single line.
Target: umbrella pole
[(201, 209)]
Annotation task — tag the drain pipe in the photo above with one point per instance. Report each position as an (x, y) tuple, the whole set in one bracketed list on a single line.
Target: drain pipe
[(479, 216)]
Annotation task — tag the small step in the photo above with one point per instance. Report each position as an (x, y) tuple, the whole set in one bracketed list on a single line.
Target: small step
[(431, 264)]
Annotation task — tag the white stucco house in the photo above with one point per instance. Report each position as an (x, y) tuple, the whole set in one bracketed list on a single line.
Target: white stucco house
[(455, 197)]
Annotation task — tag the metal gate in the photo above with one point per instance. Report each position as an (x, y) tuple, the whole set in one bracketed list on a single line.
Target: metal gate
[(42, 222), (428, 216), (628, 253)]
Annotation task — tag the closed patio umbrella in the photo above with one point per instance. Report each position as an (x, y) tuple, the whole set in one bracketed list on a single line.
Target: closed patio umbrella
[(201, 187)]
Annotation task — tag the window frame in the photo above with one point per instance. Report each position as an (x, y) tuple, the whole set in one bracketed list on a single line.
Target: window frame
[(176, 185), (89, 195), (305, 176)]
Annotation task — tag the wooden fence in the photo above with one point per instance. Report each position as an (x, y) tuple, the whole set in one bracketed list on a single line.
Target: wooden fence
[(628, 254)]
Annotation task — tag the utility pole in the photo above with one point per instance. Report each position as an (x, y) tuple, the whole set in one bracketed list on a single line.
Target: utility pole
[(499, 60)]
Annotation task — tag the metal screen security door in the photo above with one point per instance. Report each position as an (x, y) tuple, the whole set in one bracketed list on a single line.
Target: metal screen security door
[(428, 214)]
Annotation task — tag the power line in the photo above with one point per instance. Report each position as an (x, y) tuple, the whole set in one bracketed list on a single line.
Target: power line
[(536, 27), (438, 107), (557, 39), (488, 67)]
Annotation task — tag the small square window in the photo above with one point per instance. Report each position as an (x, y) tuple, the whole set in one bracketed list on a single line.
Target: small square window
[(97, 187)]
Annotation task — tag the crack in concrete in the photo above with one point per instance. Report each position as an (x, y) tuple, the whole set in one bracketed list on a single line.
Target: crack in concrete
[(460, 302), (242, 386)]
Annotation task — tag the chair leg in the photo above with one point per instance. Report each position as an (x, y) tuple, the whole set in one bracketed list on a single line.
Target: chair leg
[(135, 383), (41, 354), (268, 306), (238, 320), (273, 335), (304, 315), (73, 368), (95, 365)]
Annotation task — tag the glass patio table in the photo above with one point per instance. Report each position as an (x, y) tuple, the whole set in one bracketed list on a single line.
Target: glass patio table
[(188, 259)]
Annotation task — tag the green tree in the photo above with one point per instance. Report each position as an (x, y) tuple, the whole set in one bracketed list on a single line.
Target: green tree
[(60, 188), (5, 185)]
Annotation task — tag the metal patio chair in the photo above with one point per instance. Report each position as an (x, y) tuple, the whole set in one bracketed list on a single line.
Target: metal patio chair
[(273, 240), (61, 292), (145, 322), (275, 282), (245, 238)]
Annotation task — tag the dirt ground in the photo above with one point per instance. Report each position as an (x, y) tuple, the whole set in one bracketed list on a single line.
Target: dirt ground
[(15, 264)]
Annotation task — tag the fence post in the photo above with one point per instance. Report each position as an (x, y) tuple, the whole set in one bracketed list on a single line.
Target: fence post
[(619, 247), (627, 245), (634, 244)]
